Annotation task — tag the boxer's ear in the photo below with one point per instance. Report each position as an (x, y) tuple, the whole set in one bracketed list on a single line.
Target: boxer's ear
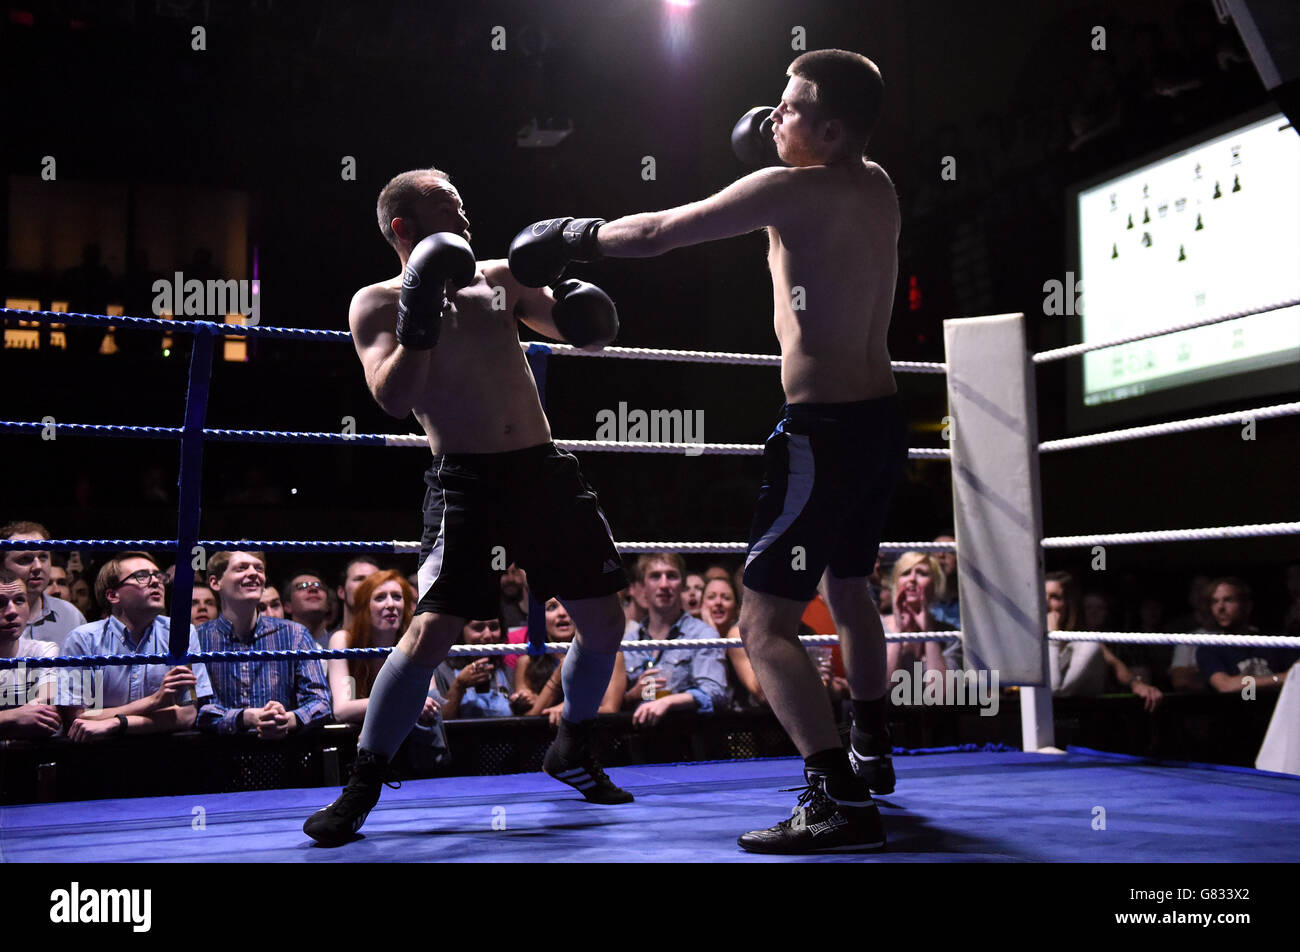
[(408, 229)]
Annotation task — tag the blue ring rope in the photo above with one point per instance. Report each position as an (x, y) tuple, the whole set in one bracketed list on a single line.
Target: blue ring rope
[(199, 657), (78, 318), (215, 435), (378, 545)]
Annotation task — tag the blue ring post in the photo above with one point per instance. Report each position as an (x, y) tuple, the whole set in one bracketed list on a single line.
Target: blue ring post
[(190, 482), (537, 355)]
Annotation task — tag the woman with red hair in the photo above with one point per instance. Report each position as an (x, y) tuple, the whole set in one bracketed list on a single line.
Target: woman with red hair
[(382, 607)]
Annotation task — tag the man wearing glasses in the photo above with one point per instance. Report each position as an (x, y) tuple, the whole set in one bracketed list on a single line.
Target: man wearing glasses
[(129, 699), (309, 605)]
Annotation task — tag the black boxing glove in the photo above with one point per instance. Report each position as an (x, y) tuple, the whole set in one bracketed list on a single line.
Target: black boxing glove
[(584, 314), (539, 252), (751, 138), (436, 260)]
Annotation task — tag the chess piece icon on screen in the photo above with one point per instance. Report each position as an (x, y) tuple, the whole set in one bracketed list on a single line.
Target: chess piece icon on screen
[(1182, 255), (1146, 239)]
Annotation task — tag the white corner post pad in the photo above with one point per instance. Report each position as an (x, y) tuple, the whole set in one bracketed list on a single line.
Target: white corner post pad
[(997, 510)]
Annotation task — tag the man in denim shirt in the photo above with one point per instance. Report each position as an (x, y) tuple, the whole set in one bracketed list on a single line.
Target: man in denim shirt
[(678, 678), (136, 698), (273, 698)]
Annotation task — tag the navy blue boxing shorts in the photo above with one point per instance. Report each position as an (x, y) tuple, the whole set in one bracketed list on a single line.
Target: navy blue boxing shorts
[(829, 471)]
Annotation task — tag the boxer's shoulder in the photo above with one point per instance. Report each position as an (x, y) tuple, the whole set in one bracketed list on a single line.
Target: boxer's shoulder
[(818, 187), (519, 301), (377, 296), (374, 302), (496, 272)]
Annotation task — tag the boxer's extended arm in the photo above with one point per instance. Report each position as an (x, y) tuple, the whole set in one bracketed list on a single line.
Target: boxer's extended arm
[(393, 373), (762, 198)]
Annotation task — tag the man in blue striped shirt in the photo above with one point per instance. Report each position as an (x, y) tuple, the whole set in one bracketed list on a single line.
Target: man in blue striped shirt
[(271, 698)]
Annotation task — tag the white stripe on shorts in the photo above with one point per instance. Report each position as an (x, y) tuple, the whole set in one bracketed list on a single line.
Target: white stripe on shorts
[(798, 490), (431, 567)]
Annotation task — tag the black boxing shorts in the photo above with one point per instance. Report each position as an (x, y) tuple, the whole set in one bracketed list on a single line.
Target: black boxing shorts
[(532, 507), (829, 471)]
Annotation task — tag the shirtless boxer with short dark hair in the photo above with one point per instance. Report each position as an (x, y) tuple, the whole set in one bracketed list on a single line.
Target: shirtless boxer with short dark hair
[(837, 454), (441, 339)]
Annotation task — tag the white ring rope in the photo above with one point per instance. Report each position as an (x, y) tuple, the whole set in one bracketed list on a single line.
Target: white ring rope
[(1180, 638), (1174, 426), (402, 547), (1073, 350), (1109, 637), (1175, 535), (707, 449), (693, 644), (741, 547), (711, 357), (646, 446)]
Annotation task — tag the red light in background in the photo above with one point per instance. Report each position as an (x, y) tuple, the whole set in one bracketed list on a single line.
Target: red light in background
[(22, 17), (913, 294)]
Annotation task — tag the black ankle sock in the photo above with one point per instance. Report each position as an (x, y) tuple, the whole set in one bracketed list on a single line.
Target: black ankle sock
[(573, 736), (870, 716), (833, 760)]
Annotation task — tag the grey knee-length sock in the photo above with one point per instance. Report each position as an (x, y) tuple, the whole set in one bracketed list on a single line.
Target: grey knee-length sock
[(585, 677), (396, 701)]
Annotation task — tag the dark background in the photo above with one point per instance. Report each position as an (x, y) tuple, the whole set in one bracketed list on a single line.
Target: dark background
[(287, 88)]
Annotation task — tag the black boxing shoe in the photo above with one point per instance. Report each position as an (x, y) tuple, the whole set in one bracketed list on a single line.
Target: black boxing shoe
[(570, 760), (832, 815), (338, 823), (870, 757)]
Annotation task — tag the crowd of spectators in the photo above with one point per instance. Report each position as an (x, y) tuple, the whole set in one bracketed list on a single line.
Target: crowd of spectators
[(233, 608)]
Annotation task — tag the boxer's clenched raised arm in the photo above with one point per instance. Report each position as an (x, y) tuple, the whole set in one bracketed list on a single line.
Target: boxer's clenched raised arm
[(766, 197), (392, 372)]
